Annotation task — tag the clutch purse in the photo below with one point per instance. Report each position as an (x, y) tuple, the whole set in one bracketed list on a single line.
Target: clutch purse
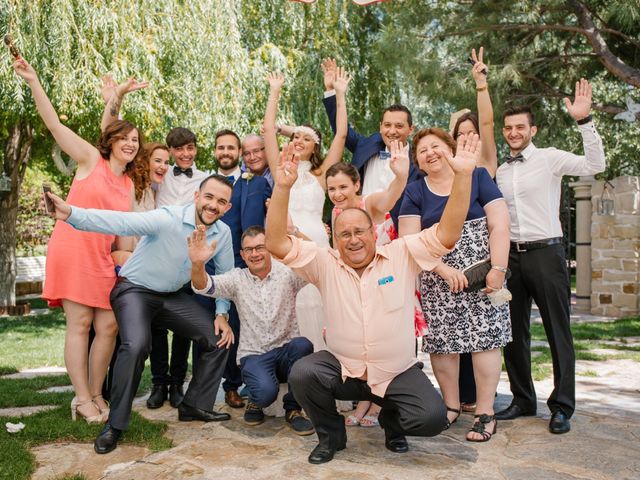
[(477, 273)]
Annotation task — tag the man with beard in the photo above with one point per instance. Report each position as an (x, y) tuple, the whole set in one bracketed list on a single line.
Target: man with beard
[(148, 292), (248, 208)]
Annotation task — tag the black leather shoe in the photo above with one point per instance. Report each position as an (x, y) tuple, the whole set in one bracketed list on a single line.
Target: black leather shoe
[(514, 411), (187, 413), (559, 422), (157, 397), (396, 443), (323, 454), (176, 395), (107, 441)]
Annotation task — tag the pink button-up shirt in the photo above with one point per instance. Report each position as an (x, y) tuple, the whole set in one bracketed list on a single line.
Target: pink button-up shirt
[(369, 318)]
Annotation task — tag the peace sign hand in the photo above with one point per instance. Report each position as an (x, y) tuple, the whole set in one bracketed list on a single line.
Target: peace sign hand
[(479, 69)]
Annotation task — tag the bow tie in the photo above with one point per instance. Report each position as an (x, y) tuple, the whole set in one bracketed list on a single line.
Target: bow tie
[(178, 171), (517, 158), (384, 155)]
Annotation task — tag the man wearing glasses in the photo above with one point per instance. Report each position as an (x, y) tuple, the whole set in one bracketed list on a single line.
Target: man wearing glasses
[(254, 158), (265, 297)]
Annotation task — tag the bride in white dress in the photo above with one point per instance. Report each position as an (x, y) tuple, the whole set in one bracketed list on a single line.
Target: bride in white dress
[(307, 198)]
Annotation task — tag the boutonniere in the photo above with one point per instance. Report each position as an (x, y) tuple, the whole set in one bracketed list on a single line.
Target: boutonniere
[(247, 176)]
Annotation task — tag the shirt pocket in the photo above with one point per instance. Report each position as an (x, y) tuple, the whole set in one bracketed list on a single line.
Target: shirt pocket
[(391, 294)]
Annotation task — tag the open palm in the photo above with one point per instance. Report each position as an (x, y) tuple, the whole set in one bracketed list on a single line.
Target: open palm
[(467, 154), (199, 250)]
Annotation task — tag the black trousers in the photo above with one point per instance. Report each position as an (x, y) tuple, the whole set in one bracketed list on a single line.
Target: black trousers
[(541, 275), (466, 380), (137, 310), (163, 370), (411, 405), (232, 374)]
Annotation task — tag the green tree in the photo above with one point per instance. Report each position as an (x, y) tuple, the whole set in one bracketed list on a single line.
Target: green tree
[(536, 51)]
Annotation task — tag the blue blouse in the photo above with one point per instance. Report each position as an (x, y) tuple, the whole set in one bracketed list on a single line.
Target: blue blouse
[(420, 201)]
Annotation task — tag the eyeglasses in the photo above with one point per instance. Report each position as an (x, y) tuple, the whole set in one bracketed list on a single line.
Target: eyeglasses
[(358, 233), (256, 151), (257, 249)]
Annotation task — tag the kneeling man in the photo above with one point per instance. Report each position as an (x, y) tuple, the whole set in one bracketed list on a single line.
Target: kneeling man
[(368, 296), (265, 296)]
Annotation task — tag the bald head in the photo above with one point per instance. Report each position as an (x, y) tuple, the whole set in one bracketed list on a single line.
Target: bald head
[(253, 154)]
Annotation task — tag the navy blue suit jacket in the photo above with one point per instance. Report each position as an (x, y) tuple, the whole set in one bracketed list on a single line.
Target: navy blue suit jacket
[(364, 148), (247, 209)]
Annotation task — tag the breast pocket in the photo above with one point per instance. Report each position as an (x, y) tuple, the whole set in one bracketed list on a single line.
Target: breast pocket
[(391, 294)]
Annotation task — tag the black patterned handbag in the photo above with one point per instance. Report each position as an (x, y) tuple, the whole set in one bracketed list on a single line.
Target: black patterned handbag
[(477, 273)]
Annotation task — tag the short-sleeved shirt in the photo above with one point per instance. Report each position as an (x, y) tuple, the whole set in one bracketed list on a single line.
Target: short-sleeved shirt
[(421, 202)]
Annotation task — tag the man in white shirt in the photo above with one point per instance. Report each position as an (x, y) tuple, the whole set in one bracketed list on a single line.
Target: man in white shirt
[(530, 181), (264, 294)]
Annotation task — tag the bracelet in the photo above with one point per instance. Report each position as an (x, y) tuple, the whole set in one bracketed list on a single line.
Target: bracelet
[(500, 269), (584, 120), (483, 88)]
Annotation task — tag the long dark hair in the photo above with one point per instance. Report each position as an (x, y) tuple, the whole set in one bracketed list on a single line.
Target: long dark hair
[(472, 117)]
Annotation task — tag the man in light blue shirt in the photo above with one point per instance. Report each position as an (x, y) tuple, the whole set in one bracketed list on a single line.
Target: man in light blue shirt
[(149, 291)]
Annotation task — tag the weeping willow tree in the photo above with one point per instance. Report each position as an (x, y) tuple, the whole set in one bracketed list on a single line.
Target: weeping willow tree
[(206, 61)]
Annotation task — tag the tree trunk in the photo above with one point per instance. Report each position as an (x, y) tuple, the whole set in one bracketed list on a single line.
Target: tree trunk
[(16, 156)]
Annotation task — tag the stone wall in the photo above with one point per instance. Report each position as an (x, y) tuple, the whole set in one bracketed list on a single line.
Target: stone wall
[(615, 250)]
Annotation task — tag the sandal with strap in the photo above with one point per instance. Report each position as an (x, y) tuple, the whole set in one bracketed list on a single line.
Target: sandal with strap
[(352, 421), (75, 404), (480, 427), (451, 422), (103, 411)]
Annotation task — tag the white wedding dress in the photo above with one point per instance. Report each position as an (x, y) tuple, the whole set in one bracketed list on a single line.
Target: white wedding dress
[(306, 203)]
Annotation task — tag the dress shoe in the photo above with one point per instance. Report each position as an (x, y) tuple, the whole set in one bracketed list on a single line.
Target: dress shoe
[(107, 441), (324, 454), (559, 422), (233, 399), (158, 396), (514, 411), (176, 395), (187, 413), (396, 443)]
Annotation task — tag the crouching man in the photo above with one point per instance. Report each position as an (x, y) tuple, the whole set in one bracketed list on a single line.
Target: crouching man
[(265, 295)]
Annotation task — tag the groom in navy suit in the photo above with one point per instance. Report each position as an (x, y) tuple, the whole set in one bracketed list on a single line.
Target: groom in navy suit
[(248, 208), (371, 154)]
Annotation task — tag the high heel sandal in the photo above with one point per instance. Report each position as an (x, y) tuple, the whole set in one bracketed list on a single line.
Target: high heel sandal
[(479, 427), (75, 403), (454, 410), (104, 412)]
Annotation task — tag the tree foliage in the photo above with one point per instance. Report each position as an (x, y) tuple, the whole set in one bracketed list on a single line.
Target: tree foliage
[(536, 51)]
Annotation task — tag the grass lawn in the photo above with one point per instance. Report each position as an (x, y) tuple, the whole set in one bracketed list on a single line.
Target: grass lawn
[(38, 341)]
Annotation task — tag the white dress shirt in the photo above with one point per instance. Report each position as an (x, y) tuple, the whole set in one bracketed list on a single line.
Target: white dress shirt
[(236, 174), (377, 175), (179, 189), (267, 308), (532, 187)]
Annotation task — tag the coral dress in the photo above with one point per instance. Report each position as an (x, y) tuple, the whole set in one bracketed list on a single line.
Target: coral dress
[(79, 265)]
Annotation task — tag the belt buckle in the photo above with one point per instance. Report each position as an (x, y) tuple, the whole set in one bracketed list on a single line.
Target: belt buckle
[(519, 248)]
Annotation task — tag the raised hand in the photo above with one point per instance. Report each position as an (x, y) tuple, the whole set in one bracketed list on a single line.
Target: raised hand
[(479, 69), (581, 106), (287, 171), (199, 250), (108, 87), (24, 70), (276, 80), (328, 67), (130, 85), (467, 154), (341, 81), (399, 162)]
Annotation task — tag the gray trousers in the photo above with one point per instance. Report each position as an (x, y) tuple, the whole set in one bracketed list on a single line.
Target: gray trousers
[(411, 405), (136, 308)]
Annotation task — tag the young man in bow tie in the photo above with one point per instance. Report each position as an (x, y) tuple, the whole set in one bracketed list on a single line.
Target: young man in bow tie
[(530, 180)]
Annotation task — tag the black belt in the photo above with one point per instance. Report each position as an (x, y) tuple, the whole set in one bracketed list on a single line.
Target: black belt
[(120, 279), (525, 246)]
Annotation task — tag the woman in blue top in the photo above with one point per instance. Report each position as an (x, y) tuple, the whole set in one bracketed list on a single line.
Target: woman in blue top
[(460, 322)]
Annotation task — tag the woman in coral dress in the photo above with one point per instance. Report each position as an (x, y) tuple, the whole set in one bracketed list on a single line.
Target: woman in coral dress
[(80, 271)]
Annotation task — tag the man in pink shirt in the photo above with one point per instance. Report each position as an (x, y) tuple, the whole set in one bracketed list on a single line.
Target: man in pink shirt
[(368, 299)]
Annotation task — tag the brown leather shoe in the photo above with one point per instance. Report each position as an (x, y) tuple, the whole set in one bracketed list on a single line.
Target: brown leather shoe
[(233, 399)]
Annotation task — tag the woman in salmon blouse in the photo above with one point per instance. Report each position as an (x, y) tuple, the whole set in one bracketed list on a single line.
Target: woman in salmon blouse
[(80, 271)]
